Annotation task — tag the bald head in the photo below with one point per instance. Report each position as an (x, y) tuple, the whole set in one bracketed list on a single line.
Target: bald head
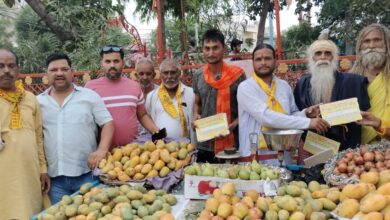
[(170, 74), (8, 69), (145, 72)]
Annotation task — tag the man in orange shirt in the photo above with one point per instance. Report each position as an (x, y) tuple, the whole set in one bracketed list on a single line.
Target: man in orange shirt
[(215, 87)]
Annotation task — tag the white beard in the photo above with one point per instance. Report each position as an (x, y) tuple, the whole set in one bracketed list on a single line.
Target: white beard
[(322, 80), (373, 58)]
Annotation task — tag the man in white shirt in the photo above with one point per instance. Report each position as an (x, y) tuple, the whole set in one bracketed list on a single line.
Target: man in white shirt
[(265, 101), (170, 106), (70, 116)]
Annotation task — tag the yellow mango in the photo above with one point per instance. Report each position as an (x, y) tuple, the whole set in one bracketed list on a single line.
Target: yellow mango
[(369, 177), (124, 177), (152, 173), (355, 191), (146, 169), (384, 189), (138, 168), (179, 165), (348, 208), (134, 161), (373, 202), (158, 165), (138, 176), (190, 147), (165, 156), (135, 152), (130, 171), (372, 216)]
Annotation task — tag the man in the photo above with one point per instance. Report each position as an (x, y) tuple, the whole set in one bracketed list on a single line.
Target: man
[(373, 62), (235, 46), (215, 87), (145, 74), (123, 97), (265, 101), (170, 106), (22, 160), (325, 84), (70, 114)]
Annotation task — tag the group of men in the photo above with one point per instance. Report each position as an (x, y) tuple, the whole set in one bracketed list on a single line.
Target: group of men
[(51, 143)]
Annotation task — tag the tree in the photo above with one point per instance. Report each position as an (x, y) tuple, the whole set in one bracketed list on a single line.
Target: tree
[(89, 26), (346, 18), (297, 38), (50, 14)]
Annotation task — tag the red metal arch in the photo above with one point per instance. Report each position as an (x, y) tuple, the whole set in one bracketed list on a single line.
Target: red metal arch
[(121, 21)]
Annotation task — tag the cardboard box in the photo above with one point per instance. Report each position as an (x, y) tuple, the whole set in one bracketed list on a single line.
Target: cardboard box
[(201, 187)]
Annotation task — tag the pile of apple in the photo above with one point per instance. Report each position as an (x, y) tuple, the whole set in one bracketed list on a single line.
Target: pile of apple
[(253, 171), (353, 164)]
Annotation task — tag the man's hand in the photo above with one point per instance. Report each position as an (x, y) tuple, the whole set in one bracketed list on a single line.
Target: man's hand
[(370, 120), (313, 111), (319, 124), (45, 183), (195, 117), (95, 157)]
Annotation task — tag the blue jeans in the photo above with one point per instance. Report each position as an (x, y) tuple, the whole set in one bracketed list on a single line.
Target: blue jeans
[(67, 185)]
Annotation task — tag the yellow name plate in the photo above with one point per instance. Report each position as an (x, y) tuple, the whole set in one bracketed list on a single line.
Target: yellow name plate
[(341, 112), (211, 127), (316, 143)]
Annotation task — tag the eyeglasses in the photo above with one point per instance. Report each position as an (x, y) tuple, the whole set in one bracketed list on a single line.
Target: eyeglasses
[(111, 49)]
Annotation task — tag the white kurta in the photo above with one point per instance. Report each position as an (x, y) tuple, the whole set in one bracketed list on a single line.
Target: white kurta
[(253, 111), (163, 120)]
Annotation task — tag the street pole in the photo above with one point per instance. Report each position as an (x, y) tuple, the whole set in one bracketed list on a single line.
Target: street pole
[(278, 35), (160, 47)]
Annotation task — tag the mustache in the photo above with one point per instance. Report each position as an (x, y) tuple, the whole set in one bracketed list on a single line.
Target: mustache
[(7, 75), (112, 68), (372, 50), (321, 62)]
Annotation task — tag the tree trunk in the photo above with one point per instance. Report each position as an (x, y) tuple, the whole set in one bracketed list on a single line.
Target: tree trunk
[(263, 18), (183, 31), (349, 24), (164, 39), (39, 8)]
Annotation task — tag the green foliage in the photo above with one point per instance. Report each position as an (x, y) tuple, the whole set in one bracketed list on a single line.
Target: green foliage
[(87, 20), (297, 38), (249, 41), (346, 18), (7, 33)]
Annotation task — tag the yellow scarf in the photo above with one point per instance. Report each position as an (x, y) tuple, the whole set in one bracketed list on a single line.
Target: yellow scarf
[(272, 103), (380, 107), (14, 98), (170, 108)]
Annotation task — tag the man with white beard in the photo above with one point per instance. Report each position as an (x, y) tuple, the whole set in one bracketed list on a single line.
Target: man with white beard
[(373, 62), (324, 84)]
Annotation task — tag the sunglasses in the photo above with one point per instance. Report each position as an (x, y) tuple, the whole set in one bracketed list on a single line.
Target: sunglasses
[(111, 49)]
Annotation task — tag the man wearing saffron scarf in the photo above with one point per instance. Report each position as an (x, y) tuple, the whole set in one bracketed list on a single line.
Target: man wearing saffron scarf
[(23, 167), (325, 84), (170, 106), (373, 62), (265, 101), (215, 87)]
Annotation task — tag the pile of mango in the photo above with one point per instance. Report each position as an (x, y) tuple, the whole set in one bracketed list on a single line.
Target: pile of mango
[(367, 200), (139, 161), (225, 204), (113, 203), (295, 201), (252, 171)]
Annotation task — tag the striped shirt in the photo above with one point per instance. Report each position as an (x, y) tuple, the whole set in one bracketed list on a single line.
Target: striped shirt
[(123, 98)]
